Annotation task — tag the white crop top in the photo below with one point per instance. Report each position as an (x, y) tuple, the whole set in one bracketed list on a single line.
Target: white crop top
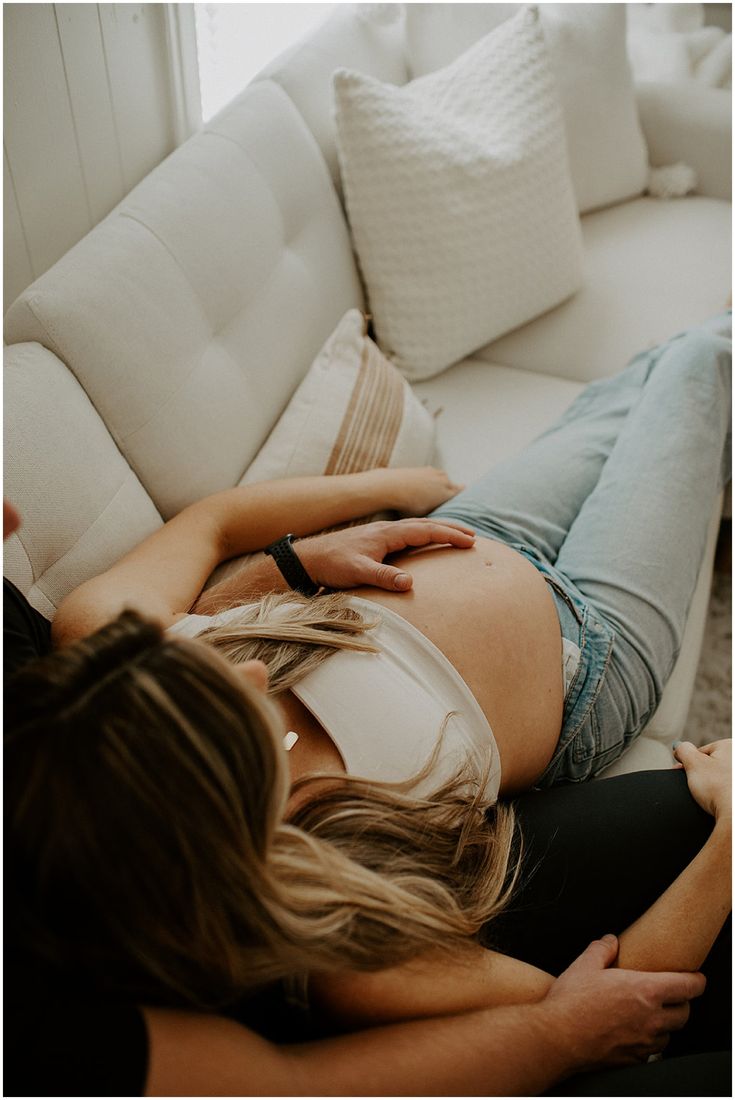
[(385, 711)]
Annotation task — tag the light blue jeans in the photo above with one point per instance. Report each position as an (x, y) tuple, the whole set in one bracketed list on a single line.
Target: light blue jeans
[(612, 505)]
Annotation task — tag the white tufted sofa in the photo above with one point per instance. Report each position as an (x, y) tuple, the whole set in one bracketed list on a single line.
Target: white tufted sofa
[(147, 367)]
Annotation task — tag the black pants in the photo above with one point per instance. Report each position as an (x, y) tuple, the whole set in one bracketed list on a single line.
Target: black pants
[(596, 856)]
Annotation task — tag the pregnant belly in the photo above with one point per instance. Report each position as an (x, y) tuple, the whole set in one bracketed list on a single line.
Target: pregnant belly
[(492, 615)]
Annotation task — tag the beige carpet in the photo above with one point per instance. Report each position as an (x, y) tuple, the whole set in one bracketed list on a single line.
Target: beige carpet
[(711, 708)]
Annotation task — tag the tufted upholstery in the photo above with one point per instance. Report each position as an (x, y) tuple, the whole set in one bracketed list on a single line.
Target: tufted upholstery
[(190, 315), (82, 505)]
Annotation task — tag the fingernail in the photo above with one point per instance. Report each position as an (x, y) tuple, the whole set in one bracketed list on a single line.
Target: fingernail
[(402, 580), (608, 938), (676, 744)]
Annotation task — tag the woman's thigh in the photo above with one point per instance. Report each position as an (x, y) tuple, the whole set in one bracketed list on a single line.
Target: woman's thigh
[(635, 548), (533, 497), (596, 856)]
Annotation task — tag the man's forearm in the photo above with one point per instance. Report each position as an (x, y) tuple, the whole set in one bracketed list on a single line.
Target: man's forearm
[(498, 1052), (254, 579), (592, 1016), (510, 1051)]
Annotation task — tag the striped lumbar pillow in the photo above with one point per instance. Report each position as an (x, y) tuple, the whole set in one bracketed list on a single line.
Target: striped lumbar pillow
[(353, 411)]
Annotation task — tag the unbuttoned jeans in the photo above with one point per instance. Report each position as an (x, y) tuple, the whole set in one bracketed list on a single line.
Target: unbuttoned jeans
[(612, 504)]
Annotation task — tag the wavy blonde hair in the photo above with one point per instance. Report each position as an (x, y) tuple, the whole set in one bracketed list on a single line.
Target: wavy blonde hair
[(145, 795)]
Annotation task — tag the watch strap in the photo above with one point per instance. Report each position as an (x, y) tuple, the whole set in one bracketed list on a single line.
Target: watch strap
[(290, 566)]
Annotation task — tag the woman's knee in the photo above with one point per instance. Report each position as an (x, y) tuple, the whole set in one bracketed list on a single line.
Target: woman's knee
[(702, 356)]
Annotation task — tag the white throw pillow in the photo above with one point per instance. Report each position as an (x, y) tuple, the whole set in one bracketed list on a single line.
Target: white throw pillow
[(587, 49), (353, 411), (459, 198), (608, 157)]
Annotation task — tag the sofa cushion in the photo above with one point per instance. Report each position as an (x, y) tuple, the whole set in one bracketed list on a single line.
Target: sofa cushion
[(81, 505), (485, 414), (652, 268), (352, 412), (190, 315), (587, 49), (459, 197)]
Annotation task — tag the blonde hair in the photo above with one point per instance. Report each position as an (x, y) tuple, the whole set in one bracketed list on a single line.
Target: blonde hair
[(145, 791), (291, 633)]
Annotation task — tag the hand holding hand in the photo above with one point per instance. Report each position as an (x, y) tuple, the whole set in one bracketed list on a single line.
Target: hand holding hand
[(355, 556), (608, 1017), (709, 775)]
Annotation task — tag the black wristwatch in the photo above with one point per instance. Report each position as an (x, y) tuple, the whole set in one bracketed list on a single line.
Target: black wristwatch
[(289, 564)]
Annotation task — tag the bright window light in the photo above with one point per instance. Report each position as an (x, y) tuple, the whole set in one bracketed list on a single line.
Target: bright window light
[(235, 41)]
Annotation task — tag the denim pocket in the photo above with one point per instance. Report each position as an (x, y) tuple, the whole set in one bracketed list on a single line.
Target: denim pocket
[(582, 738), (597, 743)]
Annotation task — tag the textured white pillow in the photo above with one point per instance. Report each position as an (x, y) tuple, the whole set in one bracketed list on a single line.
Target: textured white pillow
[(353, 411), (459, 198), (587, 50)]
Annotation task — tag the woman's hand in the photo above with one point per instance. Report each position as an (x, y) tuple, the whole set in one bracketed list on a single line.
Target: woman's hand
[(416, 490), (709, 775)]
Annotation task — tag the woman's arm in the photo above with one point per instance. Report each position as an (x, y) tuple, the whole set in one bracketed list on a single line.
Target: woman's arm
[(163, 575), (592, 1017), (678, 931)]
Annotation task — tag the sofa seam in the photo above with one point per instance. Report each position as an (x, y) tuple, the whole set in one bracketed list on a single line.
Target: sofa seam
[(115, 436), (34, 578), (126, 479)]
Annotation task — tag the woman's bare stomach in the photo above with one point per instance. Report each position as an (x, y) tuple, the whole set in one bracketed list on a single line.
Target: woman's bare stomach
[(492, 615)]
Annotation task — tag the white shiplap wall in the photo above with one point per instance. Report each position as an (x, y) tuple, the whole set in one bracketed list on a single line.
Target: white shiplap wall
[(87, 114)]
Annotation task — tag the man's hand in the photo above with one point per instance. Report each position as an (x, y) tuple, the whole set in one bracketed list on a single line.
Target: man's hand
[(355, 556), (340, 559), (605, 1017)]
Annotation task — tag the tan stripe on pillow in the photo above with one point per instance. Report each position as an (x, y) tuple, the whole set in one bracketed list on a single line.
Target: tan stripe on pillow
[(333, 462), (388, 421), (358, 411), (371, 440), (370, 426), (363, 438)]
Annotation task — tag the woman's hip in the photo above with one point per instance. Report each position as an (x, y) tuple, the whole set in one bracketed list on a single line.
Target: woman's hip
[(610, 693)]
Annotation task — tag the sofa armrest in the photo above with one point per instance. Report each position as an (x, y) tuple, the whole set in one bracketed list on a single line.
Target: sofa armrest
[(690, 123)]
